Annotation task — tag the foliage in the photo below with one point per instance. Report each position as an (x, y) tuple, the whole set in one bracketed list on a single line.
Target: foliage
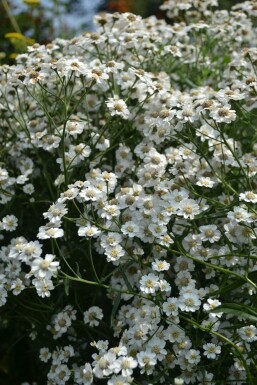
[(128, 192)]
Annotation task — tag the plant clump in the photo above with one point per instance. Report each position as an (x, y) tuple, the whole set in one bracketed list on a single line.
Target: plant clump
[(128, 182)]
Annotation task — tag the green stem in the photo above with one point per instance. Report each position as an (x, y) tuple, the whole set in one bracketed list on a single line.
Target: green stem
[(11, 17)]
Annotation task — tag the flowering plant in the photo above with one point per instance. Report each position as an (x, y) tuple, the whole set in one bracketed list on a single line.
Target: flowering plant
[(128, 187)]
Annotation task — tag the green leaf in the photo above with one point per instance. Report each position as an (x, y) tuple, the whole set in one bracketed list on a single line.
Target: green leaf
[(115, 307), (128, 284), (66, 286), (237, 283), (242, 311)]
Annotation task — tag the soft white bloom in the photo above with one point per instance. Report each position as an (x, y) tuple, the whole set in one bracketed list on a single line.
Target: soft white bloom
[(205, 182), (93, 315), (211, 350), (44, 268), (248, 333), (9, 223), (248, 196), (118, 107), (44, 354), (88, 231), (130, 228), (46, 232), (160, 265), (149, 283)]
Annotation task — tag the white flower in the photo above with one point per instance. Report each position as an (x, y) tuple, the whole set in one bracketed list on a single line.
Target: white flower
[(174, 333), (17, 286), (209, 233), (170, 307), (239, 214), (188, 208), (223, 114), (149, 283), (114, 253), (248, 196), (189, 302), (9, 223), (130, 228), (28, 188), (110, 211), (248, 333), (43, 287), (55, 212), (205, 182), (125, 365), (159, 265), (87, 375), (88, 231), (44, 268), (157, 345), (46, 232), (93, 315), (146, 361), (119, 380), (193, 356), (44, 354), (211, 350), (118, 107), (211, 305)]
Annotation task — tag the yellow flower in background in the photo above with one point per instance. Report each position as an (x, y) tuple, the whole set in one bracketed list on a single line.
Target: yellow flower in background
[(33, 3), (19, 41), (15, 37), (13, 55)]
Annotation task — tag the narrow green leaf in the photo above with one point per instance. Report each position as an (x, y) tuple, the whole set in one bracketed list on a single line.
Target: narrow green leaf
[(242, 311), (128, 284), (66, 286), (115, 307)]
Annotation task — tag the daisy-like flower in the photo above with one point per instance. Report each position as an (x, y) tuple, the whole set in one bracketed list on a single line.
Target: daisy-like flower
[(193, 356), (248, 333), (211, 305), (74, 128), (43, 287), (9, 223), (114, 253), (188, 208), (88, 231), (44, 268), (118, 380), (118, 107), (125, 365), (146, 361), (44, 354), (110, 211), (130, 228), (55, 212), (223, 114), (209, 233), (205, 182), (17, 286), (248, 196), (46, 232), (93, 315), (189, 302), (159, 265), (211, 350), (149, 283), (170, 307), (239, 214)]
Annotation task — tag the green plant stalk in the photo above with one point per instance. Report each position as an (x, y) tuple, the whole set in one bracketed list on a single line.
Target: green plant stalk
[(11, 17)]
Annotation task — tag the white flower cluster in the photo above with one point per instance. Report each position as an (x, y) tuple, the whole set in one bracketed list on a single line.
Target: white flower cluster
[(137, 143)]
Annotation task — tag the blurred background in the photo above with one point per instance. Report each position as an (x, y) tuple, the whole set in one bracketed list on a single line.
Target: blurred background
[(23, 22)]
